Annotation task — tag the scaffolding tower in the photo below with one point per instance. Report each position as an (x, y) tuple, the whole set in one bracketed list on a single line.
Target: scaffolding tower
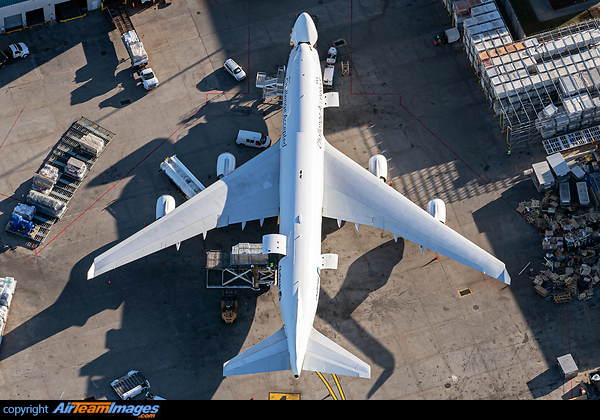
[(242, 268), (540, 87)]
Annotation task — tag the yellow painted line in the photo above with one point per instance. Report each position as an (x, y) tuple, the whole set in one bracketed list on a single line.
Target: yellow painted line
[(283, 396), (327, 385), (342, 396)]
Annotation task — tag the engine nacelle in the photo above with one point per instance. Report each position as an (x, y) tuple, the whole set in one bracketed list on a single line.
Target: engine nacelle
[(164, 205), (225, 164), (437, 208), (378, 167)]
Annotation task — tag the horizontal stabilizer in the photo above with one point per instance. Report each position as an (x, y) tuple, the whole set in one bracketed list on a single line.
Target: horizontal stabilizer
[(269, 355), (323, 355)]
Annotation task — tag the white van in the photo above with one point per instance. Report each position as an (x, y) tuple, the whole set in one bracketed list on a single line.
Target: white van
[(253, 139)]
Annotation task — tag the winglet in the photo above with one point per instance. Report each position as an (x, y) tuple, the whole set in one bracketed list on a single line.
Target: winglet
[(91, 271), (504, 277)]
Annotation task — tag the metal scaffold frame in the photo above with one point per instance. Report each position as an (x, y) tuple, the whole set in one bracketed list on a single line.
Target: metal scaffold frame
[(542, 87), (242, 268)]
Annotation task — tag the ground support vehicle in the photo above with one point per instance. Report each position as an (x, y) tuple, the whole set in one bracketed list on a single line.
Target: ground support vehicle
[(328, 72), (133, 45), (234, 69), (18, 50), (149, 79), (229, 306), (253, 139), (130, 385), (181, 177), (3, 59)]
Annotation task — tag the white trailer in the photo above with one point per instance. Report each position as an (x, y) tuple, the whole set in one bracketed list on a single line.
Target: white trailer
[(135, 48), (183, 179), (328, 77)]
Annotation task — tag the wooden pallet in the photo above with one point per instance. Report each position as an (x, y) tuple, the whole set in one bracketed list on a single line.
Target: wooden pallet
[(562, 297)]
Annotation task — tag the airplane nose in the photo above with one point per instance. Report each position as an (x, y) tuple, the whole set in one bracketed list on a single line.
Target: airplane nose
[(304, 30)]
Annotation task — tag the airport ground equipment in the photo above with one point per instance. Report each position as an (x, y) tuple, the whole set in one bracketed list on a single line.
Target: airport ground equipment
[(272, 86), (595, 380), (245, 267), (328, 72), (7, 290), (14, 51), (59, 186), (130, 385), (229, 306), (181, 177), (133, 45), (567, 366)]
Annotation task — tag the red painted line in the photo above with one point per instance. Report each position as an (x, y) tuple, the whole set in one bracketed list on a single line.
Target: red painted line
[(12, 198), (13, 126), (206, 100), (36, 251)]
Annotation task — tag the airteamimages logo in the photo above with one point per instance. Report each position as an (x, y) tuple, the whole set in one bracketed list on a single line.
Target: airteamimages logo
[(142, 411)]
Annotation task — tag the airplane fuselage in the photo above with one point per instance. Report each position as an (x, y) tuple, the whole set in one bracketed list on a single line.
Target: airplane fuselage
[(301, 193)]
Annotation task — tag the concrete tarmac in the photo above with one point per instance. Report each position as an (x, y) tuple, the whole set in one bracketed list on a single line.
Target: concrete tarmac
[(400, 310)]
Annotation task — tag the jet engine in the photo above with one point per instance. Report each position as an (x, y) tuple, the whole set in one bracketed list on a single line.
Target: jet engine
[(378, 167), (437, 208), (165, 205), (225, 164)]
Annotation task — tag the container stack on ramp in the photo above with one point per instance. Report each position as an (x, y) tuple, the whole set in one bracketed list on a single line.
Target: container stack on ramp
[(66, 185)]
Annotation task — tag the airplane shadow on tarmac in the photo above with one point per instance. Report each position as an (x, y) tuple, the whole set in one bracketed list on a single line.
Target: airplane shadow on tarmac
[(156, 315), (368, 273)]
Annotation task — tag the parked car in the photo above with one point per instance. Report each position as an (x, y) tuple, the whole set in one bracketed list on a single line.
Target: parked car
[(149, 79), (3, 59), (18, 50), (234, 69)]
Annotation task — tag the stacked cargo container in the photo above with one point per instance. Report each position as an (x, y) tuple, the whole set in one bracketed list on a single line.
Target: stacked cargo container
[(540, 87)]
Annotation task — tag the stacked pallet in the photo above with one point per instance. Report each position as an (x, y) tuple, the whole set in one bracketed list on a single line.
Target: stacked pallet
[(59, 178), (7, 290), (571, 243)]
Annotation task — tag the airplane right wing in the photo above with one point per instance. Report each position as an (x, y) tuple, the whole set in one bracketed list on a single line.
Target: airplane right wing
[(354, 194), (251, 192)]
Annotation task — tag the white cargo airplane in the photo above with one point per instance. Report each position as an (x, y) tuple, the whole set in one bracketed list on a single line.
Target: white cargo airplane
[(301, 180)]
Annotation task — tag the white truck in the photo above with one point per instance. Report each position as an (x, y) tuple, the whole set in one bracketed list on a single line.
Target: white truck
[(135, 49), (183, 179)]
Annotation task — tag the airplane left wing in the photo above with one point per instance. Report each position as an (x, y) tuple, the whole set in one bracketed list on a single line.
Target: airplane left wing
[(251, 192), (353, 194)]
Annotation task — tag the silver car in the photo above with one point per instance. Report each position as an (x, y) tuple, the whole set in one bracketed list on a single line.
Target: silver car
[(234, 69)]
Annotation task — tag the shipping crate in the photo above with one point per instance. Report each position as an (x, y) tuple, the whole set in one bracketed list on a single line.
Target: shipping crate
[(540, 290)]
